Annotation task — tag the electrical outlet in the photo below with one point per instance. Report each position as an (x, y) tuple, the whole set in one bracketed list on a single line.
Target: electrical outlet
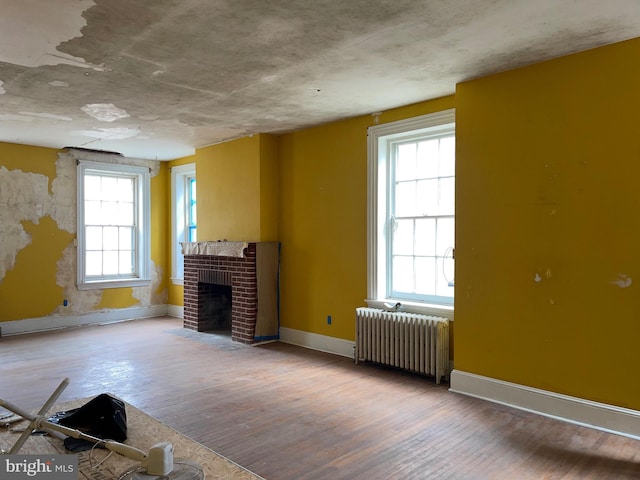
[(328, 319)]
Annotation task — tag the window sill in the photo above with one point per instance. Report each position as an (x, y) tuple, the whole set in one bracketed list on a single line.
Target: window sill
[(114, 284), (177, 280), (414, 307)]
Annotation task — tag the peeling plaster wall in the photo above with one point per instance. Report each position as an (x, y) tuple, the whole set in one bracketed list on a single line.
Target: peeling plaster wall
[(24, 196), (27, 198)]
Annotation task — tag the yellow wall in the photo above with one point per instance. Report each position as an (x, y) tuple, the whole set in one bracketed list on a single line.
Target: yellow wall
[(323, 221), (237, 190), (43, 274), (268, 188), (228, 176), (548, 186)]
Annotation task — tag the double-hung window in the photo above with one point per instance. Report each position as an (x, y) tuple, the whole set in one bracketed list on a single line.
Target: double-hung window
[(113, 225), (411, 210), (184, 221)]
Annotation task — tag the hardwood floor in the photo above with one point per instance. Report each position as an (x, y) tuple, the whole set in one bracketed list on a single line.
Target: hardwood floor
[(289, 413)]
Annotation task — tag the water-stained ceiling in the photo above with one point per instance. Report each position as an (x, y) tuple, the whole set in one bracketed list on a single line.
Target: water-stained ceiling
[(157, 79)]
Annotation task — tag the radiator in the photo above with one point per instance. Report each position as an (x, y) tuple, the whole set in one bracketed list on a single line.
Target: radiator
[(414, 342)]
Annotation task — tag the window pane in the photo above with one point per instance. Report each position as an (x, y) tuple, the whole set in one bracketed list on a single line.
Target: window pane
[(428, 159), (444, 276), (447, 157), (192, 212), (125, 214), (93, 264), (110, 263), (406, 162), (93, 213), (403, 237), (425, 275), (92, 187), (126, 262), (110, 238), (125, 238), (405, 199), (192, 234), (446, 196), (425, 236), (109, 213), (445, 235), (402, 274), (124, 192), (427, 198), (93, 238)]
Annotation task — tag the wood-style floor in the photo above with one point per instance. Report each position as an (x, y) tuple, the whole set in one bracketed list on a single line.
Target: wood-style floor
[(289, 413)]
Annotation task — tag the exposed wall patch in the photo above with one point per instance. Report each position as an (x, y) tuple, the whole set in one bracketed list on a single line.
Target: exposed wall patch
[(19, 192), (623, 281), (105, 112)]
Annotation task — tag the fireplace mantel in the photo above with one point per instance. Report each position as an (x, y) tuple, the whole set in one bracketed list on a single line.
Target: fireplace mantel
[(215, 248)]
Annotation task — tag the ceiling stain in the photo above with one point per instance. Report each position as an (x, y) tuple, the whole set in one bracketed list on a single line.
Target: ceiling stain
[(184, 74)]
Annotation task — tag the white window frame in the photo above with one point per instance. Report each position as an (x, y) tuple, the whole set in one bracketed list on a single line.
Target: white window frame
[(141, 275), (180, 176), (378, 165)]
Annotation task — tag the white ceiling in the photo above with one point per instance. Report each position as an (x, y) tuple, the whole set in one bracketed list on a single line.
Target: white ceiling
[(157, 79)]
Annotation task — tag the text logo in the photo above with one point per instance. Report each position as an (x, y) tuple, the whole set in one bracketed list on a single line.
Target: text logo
[(50, 467)]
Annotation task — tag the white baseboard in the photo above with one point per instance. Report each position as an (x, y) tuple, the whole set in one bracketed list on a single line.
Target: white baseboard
[(55, 322), (175, 311), (315, 341), (601, 416)]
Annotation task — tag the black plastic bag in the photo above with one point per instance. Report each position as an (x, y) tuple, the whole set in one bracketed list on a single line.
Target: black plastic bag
[(103, 417)]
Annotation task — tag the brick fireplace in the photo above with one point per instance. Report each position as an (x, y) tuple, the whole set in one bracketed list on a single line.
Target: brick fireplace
[(205, 273)]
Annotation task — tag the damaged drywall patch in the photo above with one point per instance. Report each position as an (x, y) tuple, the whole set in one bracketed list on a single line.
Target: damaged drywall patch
[(149, 295), (62, 201), (20, 192), (104, 112), (30, 32), (622, 281), (77, 301)]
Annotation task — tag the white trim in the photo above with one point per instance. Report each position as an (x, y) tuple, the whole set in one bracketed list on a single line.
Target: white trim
[(377, 188), (175, 311), (142, 175), (179, 207), (56, 322), (315, 341), (601, 416), (415, 307)]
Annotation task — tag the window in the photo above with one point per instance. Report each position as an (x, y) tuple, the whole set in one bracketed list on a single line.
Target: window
[(184, 224), (411, 213), (113, 225)]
